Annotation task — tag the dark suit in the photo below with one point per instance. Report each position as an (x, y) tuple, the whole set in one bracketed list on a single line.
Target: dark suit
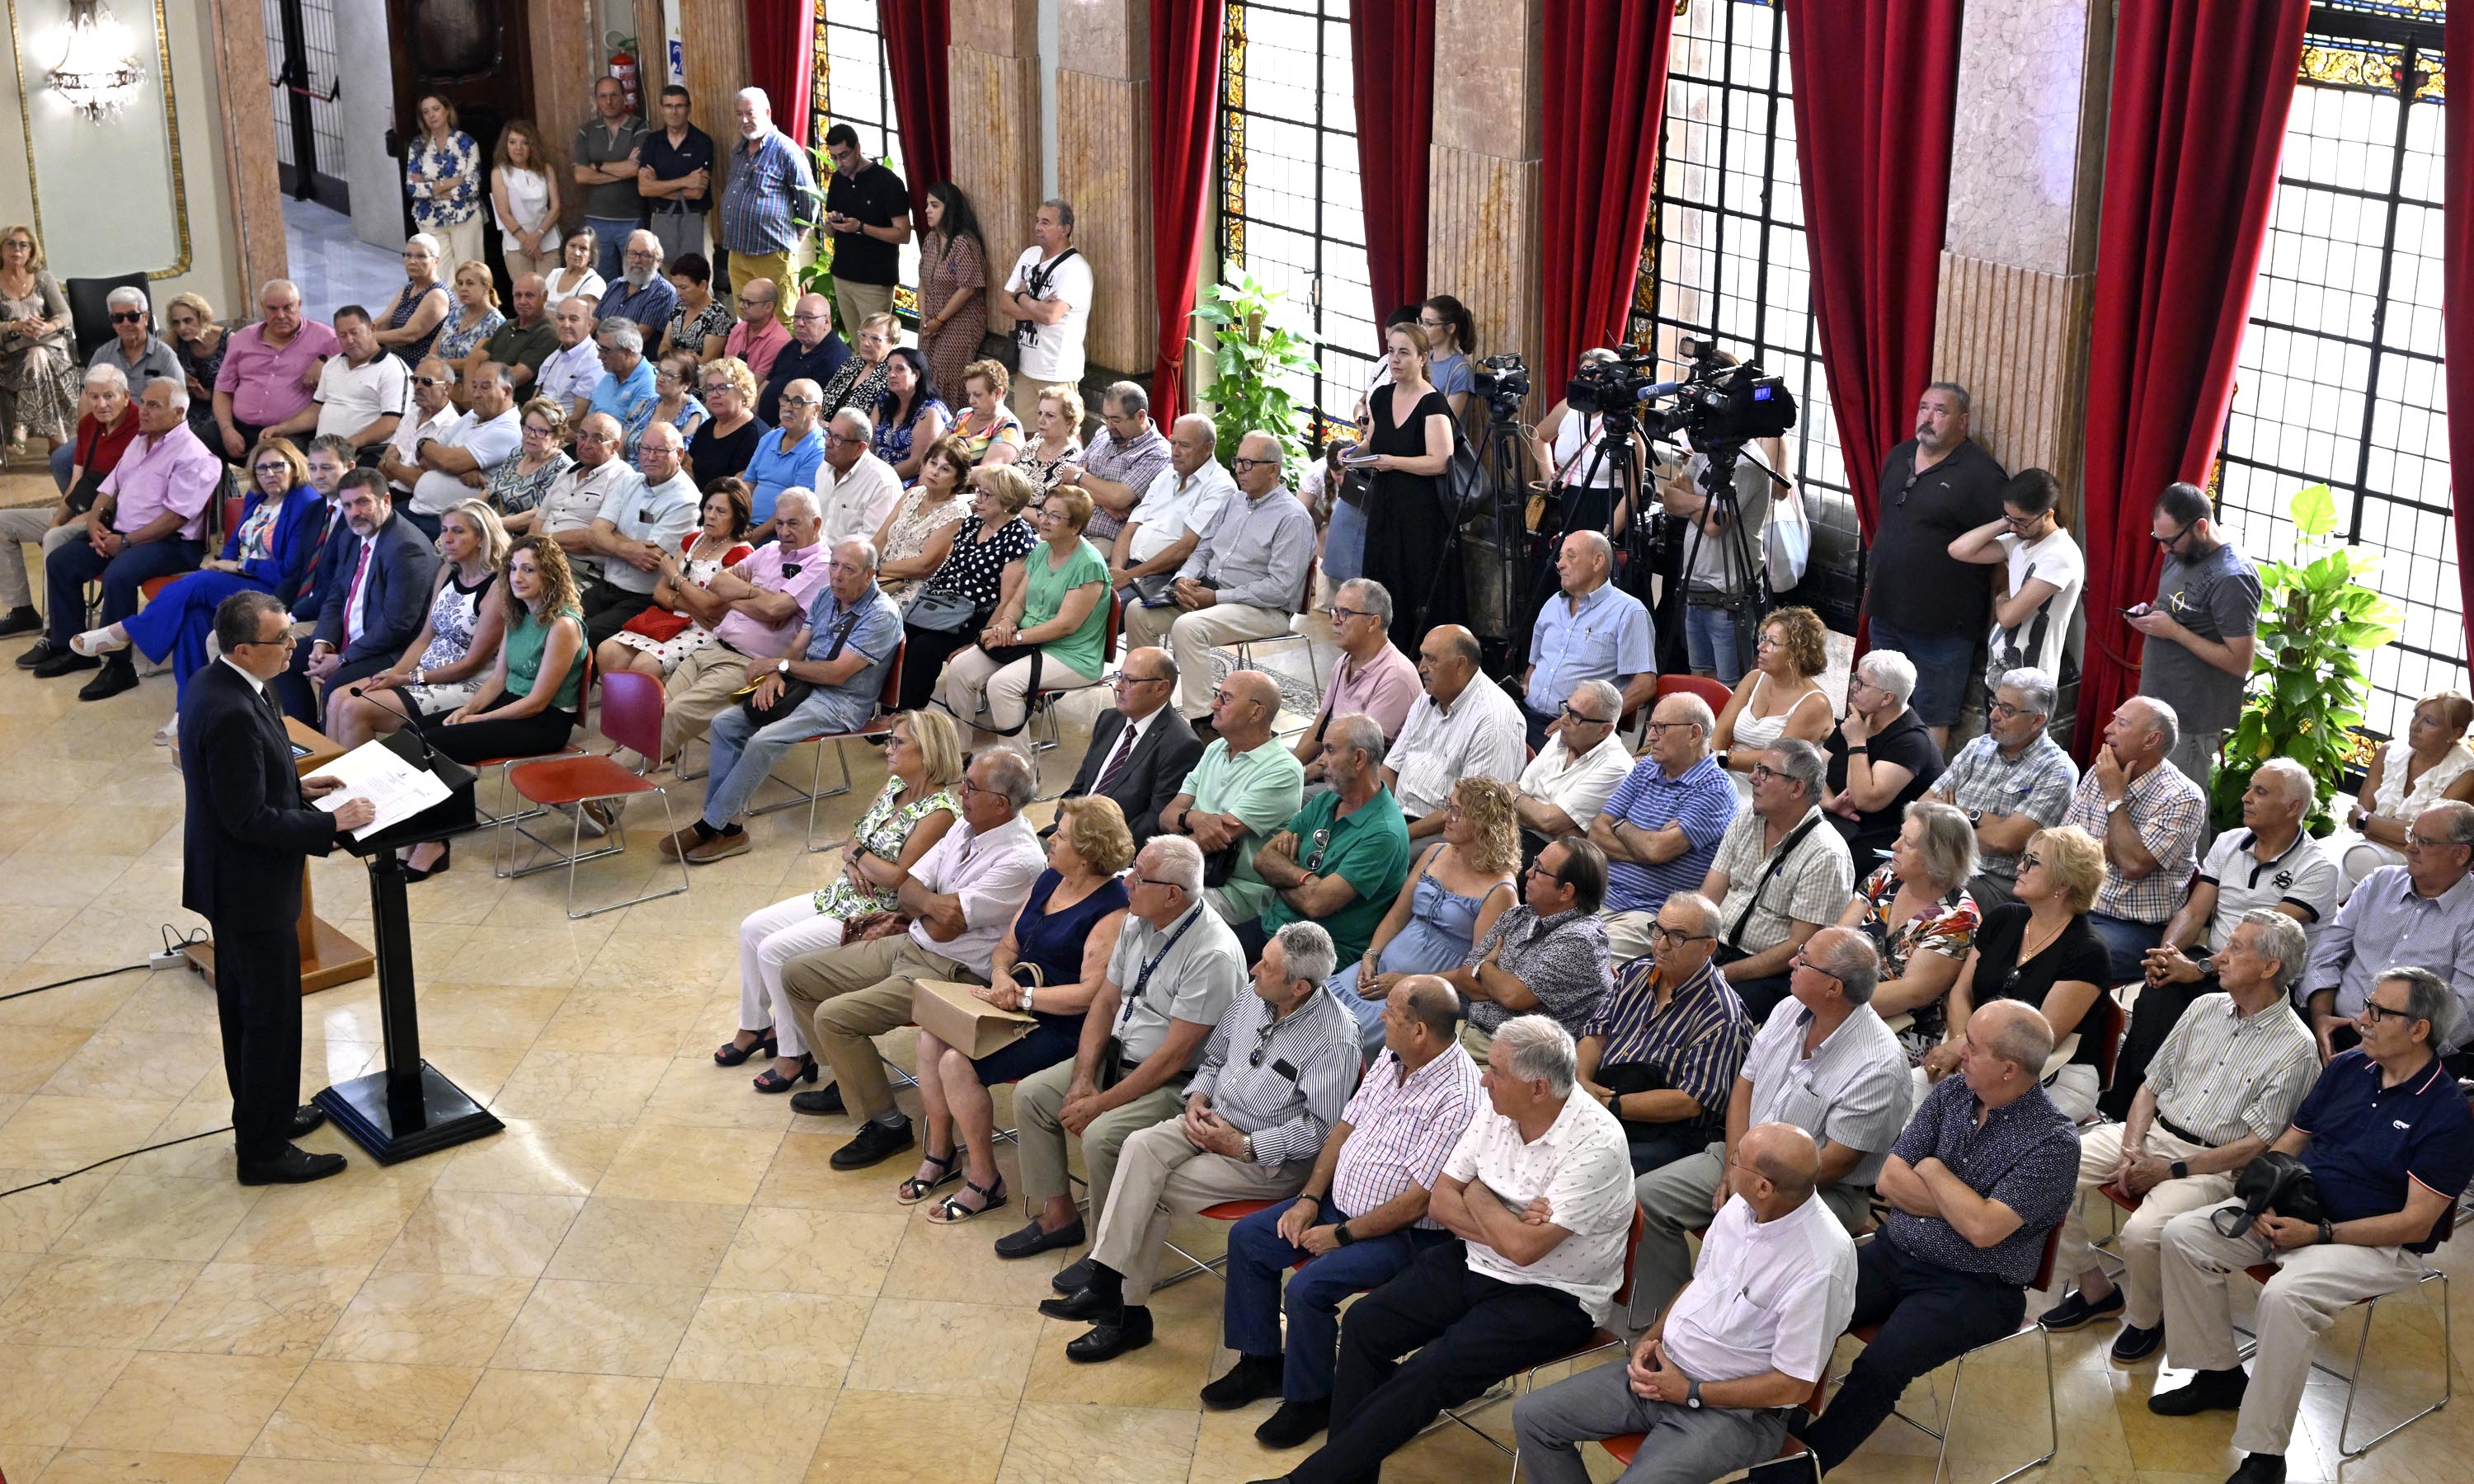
[(403, 578), (1153, 775), (242, 843)]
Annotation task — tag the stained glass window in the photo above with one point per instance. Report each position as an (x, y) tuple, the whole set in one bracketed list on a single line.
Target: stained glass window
[(853, 85)]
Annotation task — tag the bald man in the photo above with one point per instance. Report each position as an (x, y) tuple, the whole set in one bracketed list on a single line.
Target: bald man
[(2153, 823), (634, 533), (1592, 630), (855, 488), (1244, 788), (815, 351)]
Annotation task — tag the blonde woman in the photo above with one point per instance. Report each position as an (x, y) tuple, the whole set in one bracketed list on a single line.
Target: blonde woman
[(2428, 764), (2040, 952), (1057, 440), (725, 441), (38, 368), (442, 169), (442, 667), (476, 318), (1455, 891), (860, 381), (523, 195), (200, 341), (1048, 630)]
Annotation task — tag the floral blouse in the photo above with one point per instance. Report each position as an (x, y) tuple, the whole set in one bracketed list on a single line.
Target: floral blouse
[(692, 415), (454, 342), (1946, 928), (1043, 471), (1006, 428), (893, 439), (857, 384), (883, 829), (913, 522), (448, 192), (688, 331), (515, 491)]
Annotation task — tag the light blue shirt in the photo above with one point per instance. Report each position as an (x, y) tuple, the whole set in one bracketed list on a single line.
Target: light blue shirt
[(1608, 638), (876, 632), (625, 398), (773, 469)]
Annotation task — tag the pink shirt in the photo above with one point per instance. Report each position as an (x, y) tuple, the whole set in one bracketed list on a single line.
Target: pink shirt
[(173, 473), (1383, 687), (265, 384), (764, 569), (759, 350)]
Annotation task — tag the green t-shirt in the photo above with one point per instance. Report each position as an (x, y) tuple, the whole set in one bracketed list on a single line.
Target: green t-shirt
[(1262, 789), (1044, 591), (527, 637), (1369, 849)]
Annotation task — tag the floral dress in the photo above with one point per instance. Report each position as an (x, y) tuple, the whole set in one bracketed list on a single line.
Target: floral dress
[(515, 491), (670, 637), (858, 384), (1003, 428), (453, 617), (40, 380), (688, 330), (892, 439), (1043, 471), (1946, 928), (883, 829), (451, 196), (454, 342), (913, 522), (692, 415)]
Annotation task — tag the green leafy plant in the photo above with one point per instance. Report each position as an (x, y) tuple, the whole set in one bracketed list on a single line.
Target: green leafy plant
[(815, 275), (1255, 361), (2318, 624)]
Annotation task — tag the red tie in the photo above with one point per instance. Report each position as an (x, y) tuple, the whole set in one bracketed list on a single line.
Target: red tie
[(352, 594)]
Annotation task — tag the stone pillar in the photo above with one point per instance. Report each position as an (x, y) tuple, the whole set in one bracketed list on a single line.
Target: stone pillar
[(566, 58), (239, 31), (712, 37), (995, 106), (1482, 232), (1103, 167), (2018, 264)]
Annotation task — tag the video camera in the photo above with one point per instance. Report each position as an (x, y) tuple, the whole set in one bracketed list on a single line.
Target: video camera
[(1719, 402), (1503, 381)]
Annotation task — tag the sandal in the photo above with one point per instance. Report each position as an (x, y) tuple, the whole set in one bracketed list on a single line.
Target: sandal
[(951, 1211), (768, 1080), (913, 1191), (733, 1054)]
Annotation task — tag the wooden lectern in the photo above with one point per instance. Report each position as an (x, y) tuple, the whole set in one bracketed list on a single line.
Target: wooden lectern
[(328, 957)]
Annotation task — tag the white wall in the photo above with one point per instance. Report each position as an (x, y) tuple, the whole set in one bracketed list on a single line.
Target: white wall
[(372, 176)]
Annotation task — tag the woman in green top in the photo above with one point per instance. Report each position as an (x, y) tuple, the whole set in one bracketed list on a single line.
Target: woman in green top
[(1050, 630)]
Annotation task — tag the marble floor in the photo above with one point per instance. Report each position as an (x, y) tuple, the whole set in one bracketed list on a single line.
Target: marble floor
[(331, 265), (651, 1274)]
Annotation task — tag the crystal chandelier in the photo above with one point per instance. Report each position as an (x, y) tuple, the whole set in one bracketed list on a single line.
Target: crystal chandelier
[(96, 70)]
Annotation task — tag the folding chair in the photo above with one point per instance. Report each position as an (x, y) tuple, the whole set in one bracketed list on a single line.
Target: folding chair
[(1600, 1338), (1624, 1448), (1043, 705), (832, 742), (1196, 1267), (1244, 649), (631, 714), (486, 820)]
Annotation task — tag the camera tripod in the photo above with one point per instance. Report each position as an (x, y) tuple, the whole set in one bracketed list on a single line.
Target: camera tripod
[(1746, 605), (1499, 600), (1589, 506)]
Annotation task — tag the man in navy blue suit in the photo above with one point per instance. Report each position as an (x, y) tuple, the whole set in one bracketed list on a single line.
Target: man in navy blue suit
[(376, 596)]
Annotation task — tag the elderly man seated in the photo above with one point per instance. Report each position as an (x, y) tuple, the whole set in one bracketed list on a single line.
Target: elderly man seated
[(960, 897), (1824, 1062), (2385, 1134), (851, 634), (1711, 1380), (2013, 780), (1463, 724), (1343, 857), (1536, 1192), (641, 294), (269, 370), (814, 351), (1363, 1217), (1881, 755), (1175, 969), (1592, 630), (1276, 1075), (426, 417), (790, 456), (625, 390), (1581, 765), (363, 389), (1548, 954), (1662, 825), (754, 610), (2150, 820), (1245, 787), (134, 351), (1781, 873), (1976, 1183), (1141, 749), (635, 534), (2226, 1082), (1179, 504), (1664, 1048), (1371, 678), (2420, 913), (574, 500), (107, 425), (454, 465), (856, 488), (571, 373)]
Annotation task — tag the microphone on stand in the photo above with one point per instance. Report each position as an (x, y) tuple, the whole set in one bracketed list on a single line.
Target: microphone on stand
[(412, 716)]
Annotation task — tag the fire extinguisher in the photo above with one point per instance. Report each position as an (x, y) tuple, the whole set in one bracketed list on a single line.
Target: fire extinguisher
[(623, 66)]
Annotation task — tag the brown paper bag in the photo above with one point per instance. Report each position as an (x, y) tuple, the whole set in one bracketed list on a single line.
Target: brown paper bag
[(957, 1017)]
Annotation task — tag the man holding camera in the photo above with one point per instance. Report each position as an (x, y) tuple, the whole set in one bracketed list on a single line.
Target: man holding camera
[(1722, 560)]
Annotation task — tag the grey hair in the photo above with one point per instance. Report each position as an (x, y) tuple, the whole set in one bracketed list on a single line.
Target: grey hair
[(2033, 685), (1201, 424), (426, 241), (1010, 772), (1696, 713), (2301, 787), (1064, 211), (1701, 907), (853, 419), (763, 100), (1890, 672), (1309, 950), (1603, 694), (800, 495), (272, 284), (1377, 597), (647, 234), (1949, 843), (1850, 957), (110, 375), (129, 294), (1127, 397), (2427, 998), (2461, 820), (1958, 393), (1179, 862), (2162, 721), (1803, 763), (1363, 732), (620, 333), (176, 391), (2026, 1037), (2281, 939), (1540, 1050), (865, 548)]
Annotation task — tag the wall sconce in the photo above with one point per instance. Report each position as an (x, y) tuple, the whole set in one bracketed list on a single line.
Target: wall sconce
[(97, 69)]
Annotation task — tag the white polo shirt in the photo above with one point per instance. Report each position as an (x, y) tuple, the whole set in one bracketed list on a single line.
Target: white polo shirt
[(1584, 1168), (491, 441), (2305, 876), (855, 504), (1765, 1296), (1579, 786), (350, 397), (1172, 507)]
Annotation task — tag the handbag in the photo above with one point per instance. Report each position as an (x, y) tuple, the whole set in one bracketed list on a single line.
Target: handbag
[(940, 611), (793, 694), (1786, 542)]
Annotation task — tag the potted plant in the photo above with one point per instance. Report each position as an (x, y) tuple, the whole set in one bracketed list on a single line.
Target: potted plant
[(1255, 361)]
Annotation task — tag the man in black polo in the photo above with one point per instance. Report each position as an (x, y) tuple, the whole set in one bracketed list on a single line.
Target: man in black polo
[(1924, 603), (867, 213), (674, 176)]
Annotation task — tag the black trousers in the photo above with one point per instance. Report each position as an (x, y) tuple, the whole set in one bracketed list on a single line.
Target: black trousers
[(1930, 1316), (543, 732), (924, 653), (2160, 1006), (607, 609), (306, 699), (1467, 1333), (257, 999)]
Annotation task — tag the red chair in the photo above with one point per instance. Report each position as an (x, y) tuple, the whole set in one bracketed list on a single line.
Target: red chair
[(832, 742), (484, 819), (1624, 1448), (631, 716), (1043, 705), (1716, 692), (1196, 1267)]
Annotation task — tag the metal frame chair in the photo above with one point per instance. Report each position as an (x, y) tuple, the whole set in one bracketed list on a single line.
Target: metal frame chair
[(1043, 705), (631, 714), (832, 742), (1623, 1447), (1243, 650), (507, 766)]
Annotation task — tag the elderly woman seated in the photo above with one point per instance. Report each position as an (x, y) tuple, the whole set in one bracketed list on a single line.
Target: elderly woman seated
[(2430, 763), (922, 763), (1918, 913), (1050, 630), (943, 614), (1051, 963), (657, 640), (919, 535), (1453, 895), (442, 666)]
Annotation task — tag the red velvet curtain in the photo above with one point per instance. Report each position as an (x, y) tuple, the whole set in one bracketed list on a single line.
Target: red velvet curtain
[(781, 59), (1872, 131), (917, 35), (2200, 92), (1605, 91), (1185, 120), (2457, 236), (1391, 60)]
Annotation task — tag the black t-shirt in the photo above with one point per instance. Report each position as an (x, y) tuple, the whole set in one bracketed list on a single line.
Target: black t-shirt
[(670, 163), (1915, 584), (876, 196), (1904, 743), (713, 456), (2077, 954)]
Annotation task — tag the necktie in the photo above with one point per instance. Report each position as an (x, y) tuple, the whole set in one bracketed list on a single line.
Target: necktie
[(1117, 758), (352, 594), (317, 552)]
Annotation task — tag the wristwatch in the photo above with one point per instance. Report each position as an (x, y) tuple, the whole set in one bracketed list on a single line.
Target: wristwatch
[(782, 668), (1342, 1235), (1692, 1396), (1974, 819), (2113, 807), (1025, 1000), (2181, 1169)]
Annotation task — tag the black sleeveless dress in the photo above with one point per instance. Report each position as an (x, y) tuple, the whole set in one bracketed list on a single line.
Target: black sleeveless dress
[(1411, 547)]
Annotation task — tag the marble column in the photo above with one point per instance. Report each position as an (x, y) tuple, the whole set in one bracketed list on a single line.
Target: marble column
[(239, 30), (566, 58), (995, 108), (1482, 227), (1103, 167)]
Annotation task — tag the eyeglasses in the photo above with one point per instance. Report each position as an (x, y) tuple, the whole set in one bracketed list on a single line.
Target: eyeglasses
[(1537, 868), (279, 466), (1768, 641), (2003, 710), (1239, 465), (433, 381), (283, 640), (1340, 615), (1799, 961), (843, 440), (803, 401), (1576, 717), (797, 317), (1761, 773), (1262, 1042), (715, 388), (2373, 1013), (2421, 842), (1659, 932), (2031, 859), (1662, 729), (129, 316), (1224, 698), (2169, 541), (1124, 679), (1173, 886)]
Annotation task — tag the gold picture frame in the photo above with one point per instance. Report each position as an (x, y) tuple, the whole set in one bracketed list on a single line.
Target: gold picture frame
[(171, 137)]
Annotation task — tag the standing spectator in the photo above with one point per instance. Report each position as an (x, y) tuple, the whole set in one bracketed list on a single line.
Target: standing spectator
[(524, 196), (521, 343), (1547, 955), (1121, 460), (199, 340), (363, 392), (134, 349), (1664, 1048), (767, 206), (640, 293), (1881, 757), (2011, 781), (571, 373), (269, 368), (1722, 556), (1372, 678), (38, 370), (1926, 604), (442, 171), (1244, 575), (1662, 825), (699, 323), (814, 352), (1577, 769), (1451, 344), (910, 417), (608, 152), (103, 431), (759, 335), (2043, 574), (2150, 818), (1464, 725), (1049, 296), (2202, 628), (2413, 771), (953, 286), (1590, 629), (867, 218), (1780, 874), (1411, 546), (420, 308), (674, 177)]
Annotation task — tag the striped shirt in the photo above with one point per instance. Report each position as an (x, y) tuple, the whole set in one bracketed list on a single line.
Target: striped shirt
[(1402, 1129), (2036, 784), (2386, 922), (1701, 803), (2226, 1076), (1480, 734), (1562, 960), (1852, 1091), (764, 205), (2169, 811), (1698, 1039), (1812, 881), (1282, 1081)]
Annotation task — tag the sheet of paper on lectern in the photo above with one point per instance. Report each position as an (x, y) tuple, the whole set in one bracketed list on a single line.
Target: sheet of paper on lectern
[(397, 788)]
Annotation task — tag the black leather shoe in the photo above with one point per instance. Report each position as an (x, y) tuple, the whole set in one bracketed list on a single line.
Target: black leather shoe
[(2259, 1469), (2134, 1344), (827, 1099), (2208, 1391), (1293, 1424), (21, 620), (1076, 1274), (64, 662), (292, 1167), (874, 1145), (2076, 1311), (1031, 1241), (1085, 1304), (37, 653), (1132, 1330), (119, 674), (1249, 1382), (308, 1120)]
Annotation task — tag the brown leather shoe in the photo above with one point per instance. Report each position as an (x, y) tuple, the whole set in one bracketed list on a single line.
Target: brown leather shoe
[(720, 847), (678, 842)]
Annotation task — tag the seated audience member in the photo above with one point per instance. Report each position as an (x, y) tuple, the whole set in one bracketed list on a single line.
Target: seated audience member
[(922, 764), (431, 412), (724, 445), (1181, 504), (2420, 913), (1141, 749), (362, 390), (1712, 1380), (1978, 1179), (760, 335), (1881, 755), (635, 535), (754, 609), (1276, 1076), (1244, 578), (1464, 726), (1661, 827), (1517, 1290), (473, 320), (269, 368), (2038, 948), (2271, 862), (640, 295), (790, 456), (1246, 786), (573, 373), (523, 343), (1664, 1048), (598, 479), (2011, 781), (859, 490), (1345, 854), (1362, 1218), (2226, 1082), (910, 417), (657, 641), (442, 666), (1824, 1062), (1590, 629), (2150, 820), (458, 462), (1373, 676), (1055, 434), (383, 577), (1050, 965), (948, 611), (960, 897), (1779, 875), (862, 380), (330, 459), (1049, 633), (917, 535), (515, 486), (699, 324), (1578, 769), (1122, 460), (814, 351), (134, 349), (839, 655), (1780, 698), (106, 425), (625, 390), (674, 400), (149, 520), (1175, 969), (1461, 884), (1916, 909), (987, 429), (2431, 762), (1547, 955)]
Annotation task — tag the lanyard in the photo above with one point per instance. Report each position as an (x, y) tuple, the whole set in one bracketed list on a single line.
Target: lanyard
[(1125, 1011)]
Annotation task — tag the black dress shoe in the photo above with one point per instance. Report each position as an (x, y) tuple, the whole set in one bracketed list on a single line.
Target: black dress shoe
[(119, 674), (2076, 1311), (21, 620), (1031, 1241), (1076, 1274), (37, 653), (2259, 1469), (827, 1099), (292, 1167), (1085, 1304), (874, 1145), (1293, 1424), (1132, 1330), (64, 662), (2134, 1344), (309, 1119), (2208, 1391), (1249, 1381)]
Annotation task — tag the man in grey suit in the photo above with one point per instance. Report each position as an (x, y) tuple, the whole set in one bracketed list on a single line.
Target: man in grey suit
[(384, 577), (1141, 751)]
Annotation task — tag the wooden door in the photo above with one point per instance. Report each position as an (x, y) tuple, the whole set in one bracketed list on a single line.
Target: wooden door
[(477, 54)]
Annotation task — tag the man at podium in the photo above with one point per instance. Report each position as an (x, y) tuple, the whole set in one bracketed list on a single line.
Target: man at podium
[(248, 831)]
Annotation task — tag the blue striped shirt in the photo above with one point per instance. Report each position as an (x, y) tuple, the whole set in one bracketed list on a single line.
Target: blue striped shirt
[(765, 206), (1703, 801), (1698, 1039)]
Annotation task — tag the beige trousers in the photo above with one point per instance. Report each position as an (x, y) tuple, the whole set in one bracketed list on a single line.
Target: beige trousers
[(1039, 1099), (2143, 1232), (1161, 1176), (775, 269), (856, 302), (28, 525), (971, 679), (704, 684), (1191, 638), (854, 994)]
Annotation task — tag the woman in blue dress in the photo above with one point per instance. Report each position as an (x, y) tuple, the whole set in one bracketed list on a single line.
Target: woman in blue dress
[(1455, 894)]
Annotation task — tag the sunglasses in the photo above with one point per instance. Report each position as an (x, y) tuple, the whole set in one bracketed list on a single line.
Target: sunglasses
[(129, 316)]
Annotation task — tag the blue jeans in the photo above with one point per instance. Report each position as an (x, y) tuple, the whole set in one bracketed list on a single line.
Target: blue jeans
[(1343, 543), (1709, 642), (1943, 662), (64, 460), (743, 753), (1257, 1255), (609, 244), (2127, 943), (70, 567)]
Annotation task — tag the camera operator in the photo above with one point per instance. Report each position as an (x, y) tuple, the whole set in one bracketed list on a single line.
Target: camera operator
[(1722, 560), (1564, 448), (1926, 604)]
